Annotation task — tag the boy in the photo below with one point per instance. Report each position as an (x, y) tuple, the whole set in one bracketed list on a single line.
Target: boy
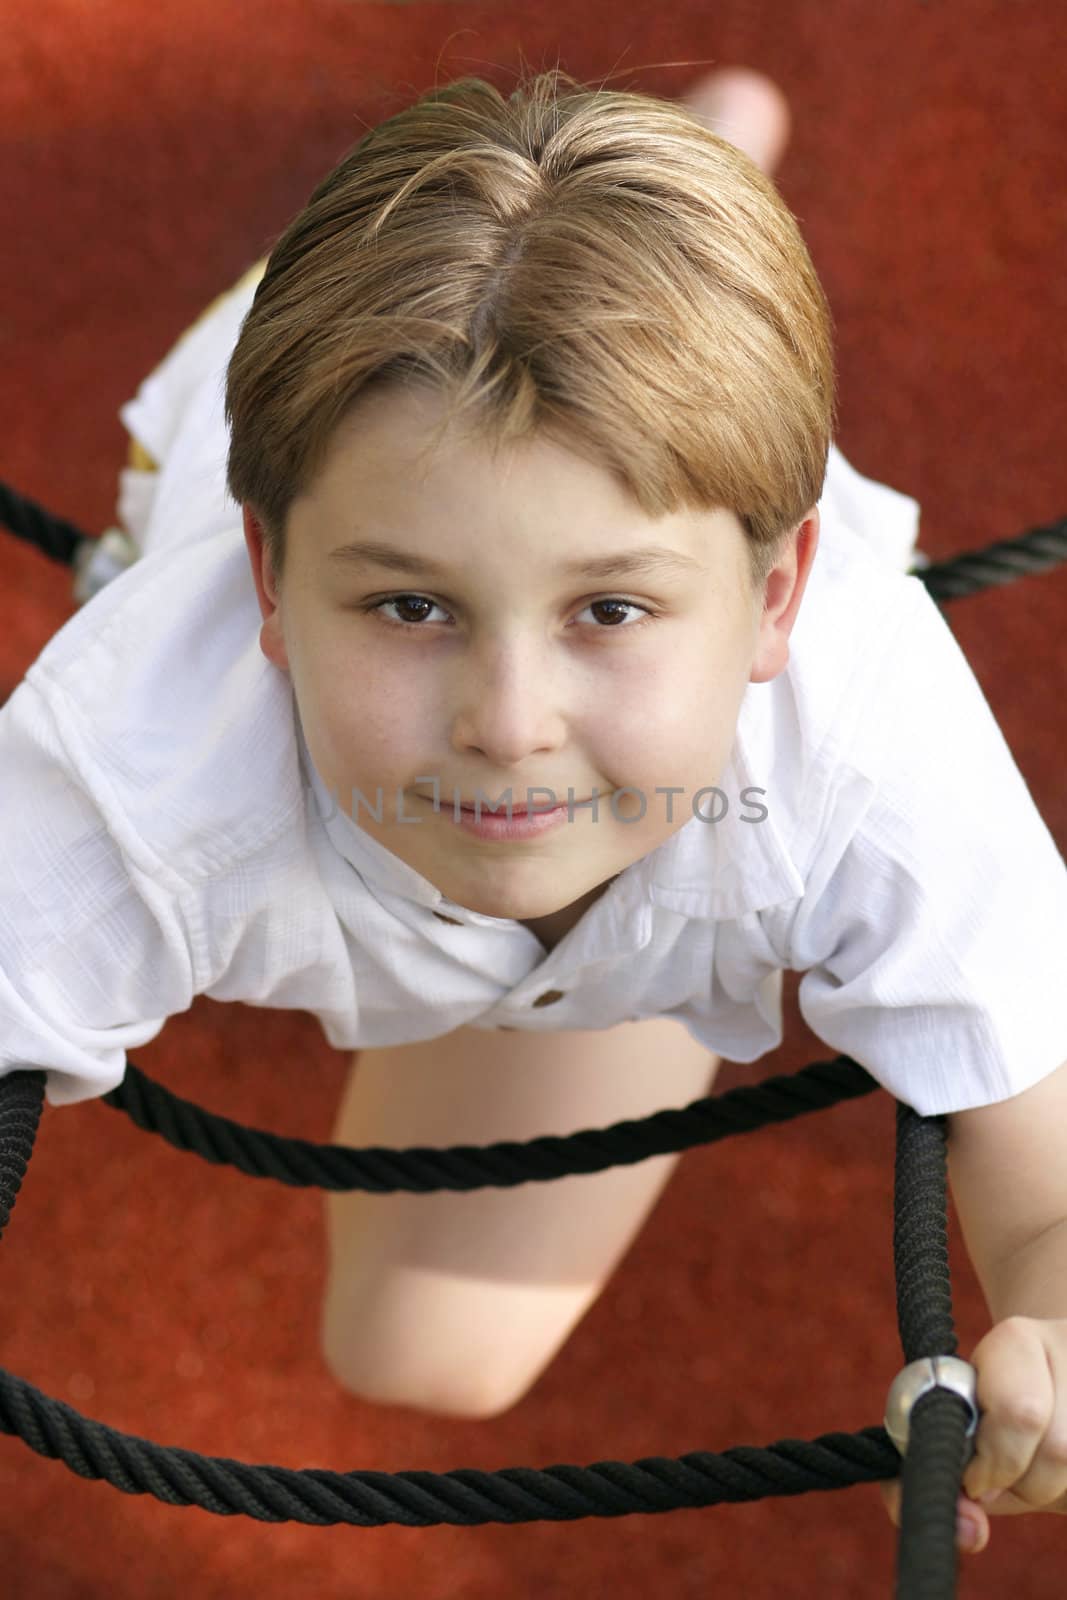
[(276, 791)]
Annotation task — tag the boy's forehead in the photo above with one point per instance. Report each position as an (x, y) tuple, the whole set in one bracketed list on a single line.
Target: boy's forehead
[(401, 409), (385, 443), (403, 427)]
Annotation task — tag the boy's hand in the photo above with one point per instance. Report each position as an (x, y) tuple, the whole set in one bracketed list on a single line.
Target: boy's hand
[(1020, 1460)]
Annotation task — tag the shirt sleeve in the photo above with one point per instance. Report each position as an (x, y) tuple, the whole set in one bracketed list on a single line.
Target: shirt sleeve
[(932, 934), (94, 951)]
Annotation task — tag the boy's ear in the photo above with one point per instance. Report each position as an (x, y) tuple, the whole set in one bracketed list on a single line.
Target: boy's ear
[(782, 595), (271, 638)]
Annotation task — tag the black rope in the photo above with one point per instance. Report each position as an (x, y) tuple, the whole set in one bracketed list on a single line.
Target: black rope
[(422, 1169), (920, 1237), (937, 1453), (467, 1497), (21, 1104), (931, 1476), (1035, 551), (26, 519)]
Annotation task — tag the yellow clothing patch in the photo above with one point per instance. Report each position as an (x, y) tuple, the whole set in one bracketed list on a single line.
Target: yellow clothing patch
[(139, 456)]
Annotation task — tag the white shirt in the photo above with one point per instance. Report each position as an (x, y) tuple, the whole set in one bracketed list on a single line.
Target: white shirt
[(164, 834)]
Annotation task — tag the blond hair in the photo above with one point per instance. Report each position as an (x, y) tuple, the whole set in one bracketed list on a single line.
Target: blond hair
[(594, 267)]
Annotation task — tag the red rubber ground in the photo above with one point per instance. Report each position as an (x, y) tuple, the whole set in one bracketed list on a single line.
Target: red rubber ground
[(148, 154)]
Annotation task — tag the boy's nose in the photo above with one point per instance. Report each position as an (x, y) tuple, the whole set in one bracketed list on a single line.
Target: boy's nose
[(504, 742), (511, 714)]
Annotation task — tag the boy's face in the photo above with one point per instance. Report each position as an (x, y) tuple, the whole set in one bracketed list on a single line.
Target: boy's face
[(513, 673)]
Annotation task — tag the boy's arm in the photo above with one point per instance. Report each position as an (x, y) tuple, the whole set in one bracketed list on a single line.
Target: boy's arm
[(1007, 1165), (96, 951)]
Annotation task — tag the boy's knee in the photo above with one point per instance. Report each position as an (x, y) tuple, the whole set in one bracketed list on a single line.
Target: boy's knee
[(461, 1392), (452, 1347), (460, 1403)]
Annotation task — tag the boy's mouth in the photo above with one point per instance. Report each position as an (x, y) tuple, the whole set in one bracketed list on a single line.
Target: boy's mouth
[(522, 811), (516, 811)]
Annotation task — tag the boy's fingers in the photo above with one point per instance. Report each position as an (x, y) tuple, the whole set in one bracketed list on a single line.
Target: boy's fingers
[(967, 1513)]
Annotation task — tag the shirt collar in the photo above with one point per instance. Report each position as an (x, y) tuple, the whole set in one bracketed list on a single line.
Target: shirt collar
[(710, 870)]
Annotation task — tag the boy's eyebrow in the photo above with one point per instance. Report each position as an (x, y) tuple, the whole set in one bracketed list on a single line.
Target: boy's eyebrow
[(623, 564)]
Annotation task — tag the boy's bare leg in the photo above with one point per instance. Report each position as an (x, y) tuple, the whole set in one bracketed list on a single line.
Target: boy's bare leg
[(456, 1302), (746, 108)]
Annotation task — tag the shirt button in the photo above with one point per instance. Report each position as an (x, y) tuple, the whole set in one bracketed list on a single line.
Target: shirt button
[(549, 997), (453, 920)]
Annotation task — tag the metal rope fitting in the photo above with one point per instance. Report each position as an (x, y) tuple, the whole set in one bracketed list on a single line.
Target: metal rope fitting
[(917, 1379), (98, 561)]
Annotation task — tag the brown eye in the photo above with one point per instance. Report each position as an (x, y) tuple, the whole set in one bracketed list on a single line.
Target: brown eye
[(618, 606), (615, 606), (408, 603)]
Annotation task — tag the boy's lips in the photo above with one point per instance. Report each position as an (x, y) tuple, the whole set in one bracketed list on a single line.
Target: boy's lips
[(522, 811), (516, 811)]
